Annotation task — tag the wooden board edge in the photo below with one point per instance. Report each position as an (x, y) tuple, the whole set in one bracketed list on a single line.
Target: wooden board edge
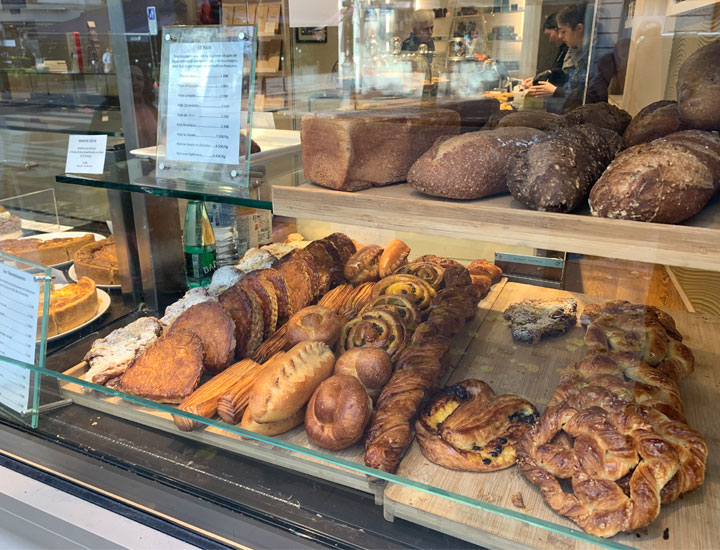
[(393, 509), (679, 289)]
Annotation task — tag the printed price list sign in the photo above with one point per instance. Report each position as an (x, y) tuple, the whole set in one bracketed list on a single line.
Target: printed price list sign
[(204, 98), (20, 294)]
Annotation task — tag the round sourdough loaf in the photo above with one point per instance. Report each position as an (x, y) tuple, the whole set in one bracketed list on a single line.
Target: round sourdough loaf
[(472, 165), (665, 181)]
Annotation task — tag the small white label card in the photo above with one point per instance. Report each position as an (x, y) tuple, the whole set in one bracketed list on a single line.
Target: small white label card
[(86, 154), (18, 331), (204, 102)]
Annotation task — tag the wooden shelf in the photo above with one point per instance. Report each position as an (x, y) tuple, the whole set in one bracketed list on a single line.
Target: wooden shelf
[(502, 219)]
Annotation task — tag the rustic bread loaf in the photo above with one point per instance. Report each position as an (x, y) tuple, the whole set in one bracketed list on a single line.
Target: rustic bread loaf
[(542, 120), (556, 173), (698, 88), (603, 115), (666, 181), (652, 122), (353, 150), (471, 165)]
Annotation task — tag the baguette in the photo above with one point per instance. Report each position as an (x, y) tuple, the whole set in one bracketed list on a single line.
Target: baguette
[(288, 382), (204, 400)]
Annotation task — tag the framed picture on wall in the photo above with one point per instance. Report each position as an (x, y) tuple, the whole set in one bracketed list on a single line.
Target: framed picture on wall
[(311, 34)]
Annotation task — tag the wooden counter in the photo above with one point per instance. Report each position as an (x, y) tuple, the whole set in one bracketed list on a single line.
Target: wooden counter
[(502, 219)]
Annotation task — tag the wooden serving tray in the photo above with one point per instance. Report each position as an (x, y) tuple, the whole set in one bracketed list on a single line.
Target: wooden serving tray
[(532, 371), (235, 443)]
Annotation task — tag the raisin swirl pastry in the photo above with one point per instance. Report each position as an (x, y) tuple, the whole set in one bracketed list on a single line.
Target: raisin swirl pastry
[(469, 427), (400, 305), (414, 288), (428, 272), (379, 328)]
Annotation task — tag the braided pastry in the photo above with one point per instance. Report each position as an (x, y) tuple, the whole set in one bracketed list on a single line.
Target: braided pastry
[(355, 301), (420, 292), (400, 305), (615, 426), (468, 427), (379, 328), (364, 265), (428, 272), (433, 259), (644, 332)]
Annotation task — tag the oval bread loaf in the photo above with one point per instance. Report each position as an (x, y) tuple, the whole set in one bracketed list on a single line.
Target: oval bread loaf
[(472, 165), (288, 382), (665, 181), (652, 122), (698, 88)]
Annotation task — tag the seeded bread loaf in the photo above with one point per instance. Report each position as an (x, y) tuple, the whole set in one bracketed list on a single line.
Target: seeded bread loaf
[(556, 173), (353, 150), (665, 181), (601, 114), (471, 165)]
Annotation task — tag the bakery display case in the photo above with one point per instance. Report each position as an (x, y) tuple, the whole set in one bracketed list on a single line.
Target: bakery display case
[(367, 357)]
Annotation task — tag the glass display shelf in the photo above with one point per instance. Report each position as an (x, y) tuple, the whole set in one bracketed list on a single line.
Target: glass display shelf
[(138, 175), (40, 116)]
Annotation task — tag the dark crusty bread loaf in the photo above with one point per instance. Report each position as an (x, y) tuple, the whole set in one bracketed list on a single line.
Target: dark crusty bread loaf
[(542, 120), (556, 173), (698, 88), (652, 122), (353, 150), (603, 115), (666, 181), (470, 165)]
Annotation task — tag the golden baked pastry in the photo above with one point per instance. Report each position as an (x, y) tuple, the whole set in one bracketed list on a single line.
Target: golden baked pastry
[(370, 365), (209, 322), (482, 267), (337, 413), (272, 428), (642, 331), (379, 328), (316, 323), (400, 305), (70, 306), (48, 252), (364, 265), (287, 383), (467, 426), (393, 257), (98, 260), (336, 297), (429, 272), (419, 291), (168, 371), (355, 301)]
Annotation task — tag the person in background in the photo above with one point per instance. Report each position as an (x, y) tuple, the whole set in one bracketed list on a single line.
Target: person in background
[(555, 74), (571, 27), (423, 22)]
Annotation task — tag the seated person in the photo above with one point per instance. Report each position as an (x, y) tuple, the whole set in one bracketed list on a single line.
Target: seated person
[(423, 22)]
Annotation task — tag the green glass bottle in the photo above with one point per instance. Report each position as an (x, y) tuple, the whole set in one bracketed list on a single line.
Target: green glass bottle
[(199, 245)]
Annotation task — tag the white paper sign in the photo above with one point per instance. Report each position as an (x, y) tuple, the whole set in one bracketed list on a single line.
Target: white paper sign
[(152, 20), (86, 154), (20, 294), (318, 13), (204, 102)]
